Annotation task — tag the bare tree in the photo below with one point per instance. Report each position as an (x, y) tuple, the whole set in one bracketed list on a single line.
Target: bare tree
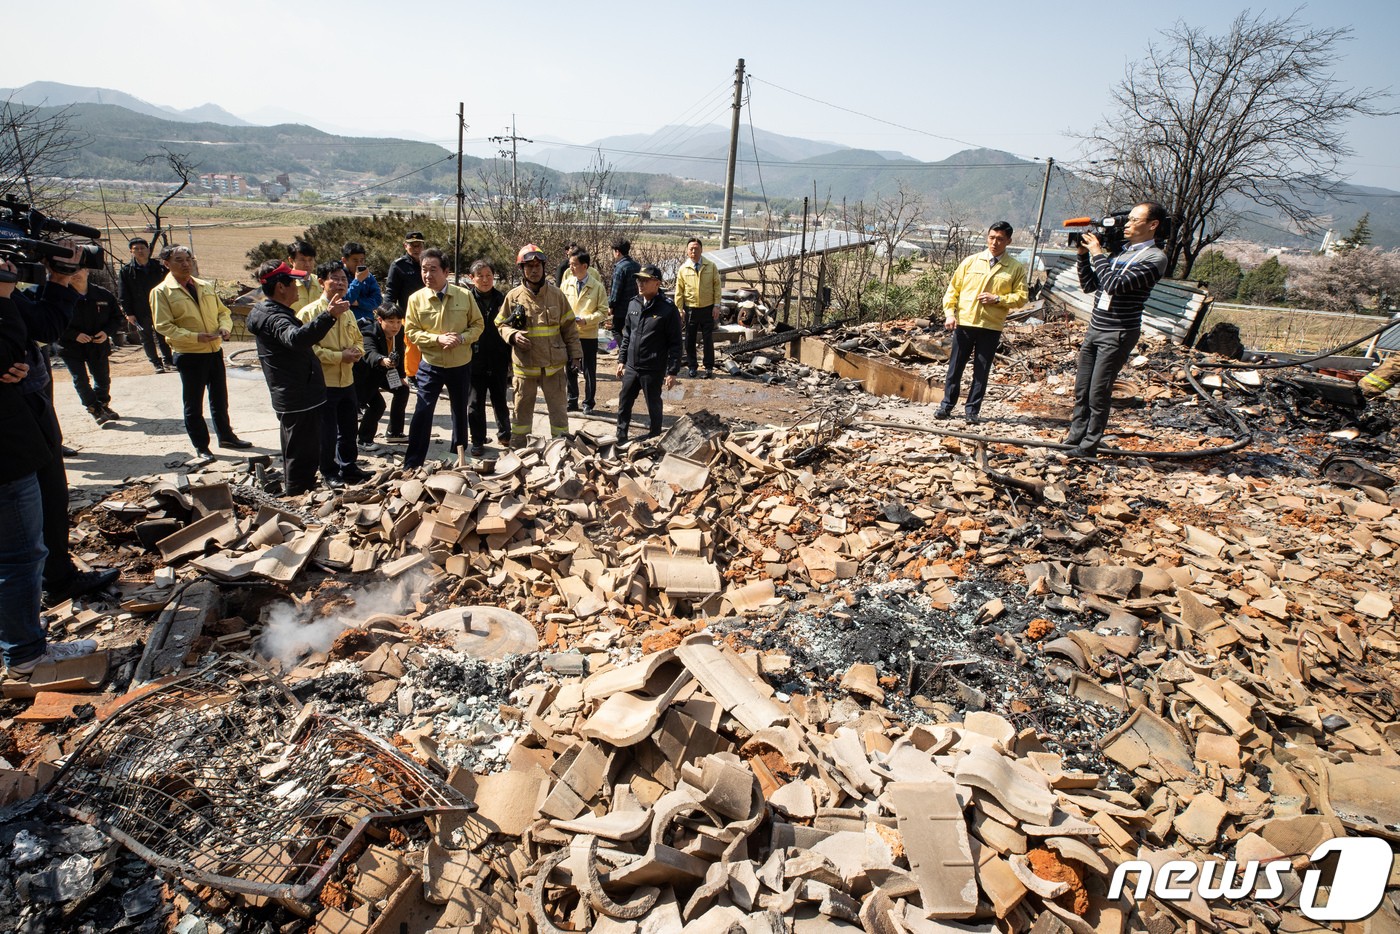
[(36, 144), (530, 208), (895, 217), (1207, 123), (184, 171), (850, 272)]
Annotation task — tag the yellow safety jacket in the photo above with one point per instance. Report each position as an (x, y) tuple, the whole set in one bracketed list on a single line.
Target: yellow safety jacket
[(697, 289), (976, 275), (308, 290), (428, 317), (589, 300), (338, 371), (179, 319), (549, 324)]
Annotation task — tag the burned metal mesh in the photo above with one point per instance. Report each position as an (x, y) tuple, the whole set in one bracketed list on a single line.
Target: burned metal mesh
[(222, 777)]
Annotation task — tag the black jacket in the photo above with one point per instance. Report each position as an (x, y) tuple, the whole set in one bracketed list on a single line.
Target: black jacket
[(294, 378), (370, 372), (405, 277), (651, 337), (134, 284), (492, 353), (26, 447), (97, 312)]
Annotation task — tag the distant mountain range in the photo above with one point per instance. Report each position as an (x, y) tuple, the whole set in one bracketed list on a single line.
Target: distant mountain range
[(675, 163), (54, 94)]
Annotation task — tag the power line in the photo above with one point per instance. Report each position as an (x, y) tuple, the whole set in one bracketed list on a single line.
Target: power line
[(748, 102), (869, 116), (816, 165)]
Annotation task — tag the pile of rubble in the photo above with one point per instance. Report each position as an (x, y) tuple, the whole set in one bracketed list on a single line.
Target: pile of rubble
[(837, 675)]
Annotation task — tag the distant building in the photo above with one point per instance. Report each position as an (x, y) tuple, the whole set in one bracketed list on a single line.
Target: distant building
[(233, 186)]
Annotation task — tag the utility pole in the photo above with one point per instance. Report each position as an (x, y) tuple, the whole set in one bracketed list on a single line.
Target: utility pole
[(513, 138), (1039, 217), (802, 259), (733, 155), (461, 192)]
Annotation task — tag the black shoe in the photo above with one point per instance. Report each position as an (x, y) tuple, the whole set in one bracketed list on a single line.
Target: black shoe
[(396, 439), (943, 411), (971, 418), (203, 455), (236, 444), (476, 450), (110, 412), (355, 475), (572, 406), (159, 368), (81, 584), (66, 451), (692, 372), (1084, 453), (588, 410), (334, 482)]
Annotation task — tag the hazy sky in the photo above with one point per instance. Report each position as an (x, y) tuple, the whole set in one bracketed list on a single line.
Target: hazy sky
[(1018, 77)]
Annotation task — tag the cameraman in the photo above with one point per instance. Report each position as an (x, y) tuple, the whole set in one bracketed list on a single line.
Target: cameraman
[(44, 312), (1120, 285), (22, 550)]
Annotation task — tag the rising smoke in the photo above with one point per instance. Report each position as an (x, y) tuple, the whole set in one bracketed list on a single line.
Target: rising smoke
[(291, 633)]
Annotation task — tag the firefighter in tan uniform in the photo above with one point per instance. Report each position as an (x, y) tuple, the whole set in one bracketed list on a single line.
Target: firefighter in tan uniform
[(538, 324)]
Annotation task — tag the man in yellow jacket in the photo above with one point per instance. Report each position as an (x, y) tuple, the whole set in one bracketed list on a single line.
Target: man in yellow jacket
[(187, 312), (983, 289), (337, 353), (301, 256), (538, 324), (589, 301), (444, 322), (698, 292)]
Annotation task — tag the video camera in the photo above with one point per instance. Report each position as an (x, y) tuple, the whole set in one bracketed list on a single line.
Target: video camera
[(1108, 229), (22, 242)]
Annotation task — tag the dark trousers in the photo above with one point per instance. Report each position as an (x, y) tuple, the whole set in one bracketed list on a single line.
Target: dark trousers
[(649, 385), (1101, 356), (53, 494), (90, 367), (967, 341), (590, 373), (201, 372), (21, 563), (338, 417), (700, 321), (373, 401), (301, 448), (431, 381), (490, 386), (151, 341)]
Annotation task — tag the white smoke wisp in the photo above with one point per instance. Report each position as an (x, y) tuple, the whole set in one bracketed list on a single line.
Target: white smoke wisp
[(290, 634)]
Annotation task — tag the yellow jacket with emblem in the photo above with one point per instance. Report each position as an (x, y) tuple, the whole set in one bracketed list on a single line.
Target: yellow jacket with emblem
[(338, 371), (428, 317), (308, 291), (549, 324), (1383, 377), (180, 320), (697, 288), (589, 300), (976, 275)]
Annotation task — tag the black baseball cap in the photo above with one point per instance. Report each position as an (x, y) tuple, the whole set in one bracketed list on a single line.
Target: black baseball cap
[(414, 236), (648, 272)]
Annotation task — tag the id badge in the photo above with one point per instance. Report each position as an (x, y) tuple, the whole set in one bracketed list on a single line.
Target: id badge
[(1104, 301), (393, 376)]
